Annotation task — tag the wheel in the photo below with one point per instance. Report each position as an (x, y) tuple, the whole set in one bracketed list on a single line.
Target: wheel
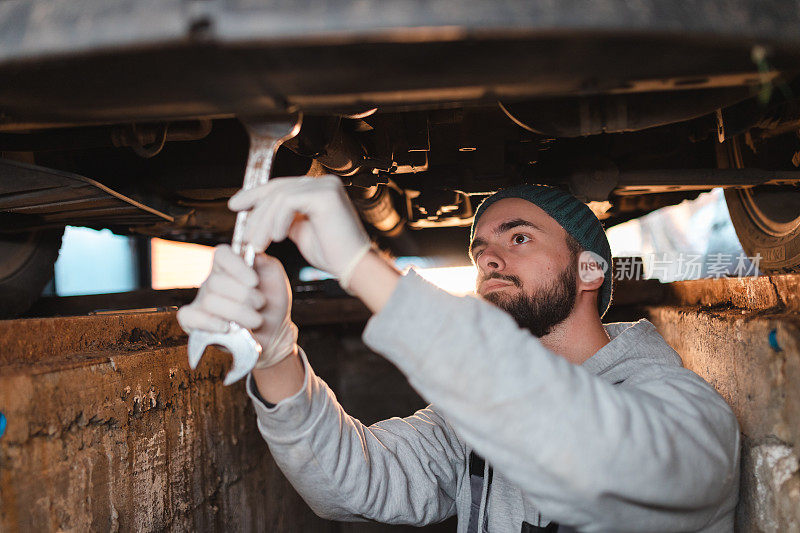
[(767, 222), (26, 265)]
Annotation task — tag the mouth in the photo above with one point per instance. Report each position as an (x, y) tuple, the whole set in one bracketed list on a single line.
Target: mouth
[(493, 285)]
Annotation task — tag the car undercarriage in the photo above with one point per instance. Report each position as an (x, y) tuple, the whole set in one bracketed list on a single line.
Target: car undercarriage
[(125, 115)]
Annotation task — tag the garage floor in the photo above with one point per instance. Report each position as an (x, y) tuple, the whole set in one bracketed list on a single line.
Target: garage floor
[(108, 428)]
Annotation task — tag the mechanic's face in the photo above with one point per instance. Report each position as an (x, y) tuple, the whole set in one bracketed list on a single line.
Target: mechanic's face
[(524, 264)]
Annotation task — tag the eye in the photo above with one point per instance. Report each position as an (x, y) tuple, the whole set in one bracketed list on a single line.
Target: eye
[(520, 238)]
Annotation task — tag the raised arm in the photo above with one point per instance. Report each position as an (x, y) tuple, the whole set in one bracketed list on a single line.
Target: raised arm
[(398, 471)]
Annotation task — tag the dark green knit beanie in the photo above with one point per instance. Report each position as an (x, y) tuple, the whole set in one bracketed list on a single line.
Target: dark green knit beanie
[(573, 215)]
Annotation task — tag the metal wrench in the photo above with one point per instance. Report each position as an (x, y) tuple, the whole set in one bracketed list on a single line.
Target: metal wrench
[(266, 135)]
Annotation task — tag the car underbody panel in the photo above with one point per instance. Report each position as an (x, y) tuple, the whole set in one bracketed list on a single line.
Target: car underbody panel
[(422, 107), (106, 62), (35, 197)]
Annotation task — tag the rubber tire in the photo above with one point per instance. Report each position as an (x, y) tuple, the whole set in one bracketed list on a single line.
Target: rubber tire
[(780, 251), (26, 265)]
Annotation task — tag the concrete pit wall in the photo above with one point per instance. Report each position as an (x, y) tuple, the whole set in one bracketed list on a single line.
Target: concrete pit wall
[(109, 430), (743, 337)]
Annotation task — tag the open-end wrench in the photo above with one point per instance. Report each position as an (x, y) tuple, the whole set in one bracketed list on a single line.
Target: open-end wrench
[(266, 135)]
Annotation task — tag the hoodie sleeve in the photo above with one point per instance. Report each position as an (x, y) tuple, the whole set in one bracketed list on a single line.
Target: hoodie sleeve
[(657, 454), (398, 471)]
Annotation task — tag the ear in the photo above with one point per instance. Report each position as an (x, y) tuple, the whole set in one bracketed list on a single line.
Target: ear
[(592, 270)]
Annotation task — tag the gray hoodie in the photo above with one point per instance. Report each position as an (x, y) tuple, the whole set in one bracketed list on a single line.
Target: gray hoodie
[(628, 441)]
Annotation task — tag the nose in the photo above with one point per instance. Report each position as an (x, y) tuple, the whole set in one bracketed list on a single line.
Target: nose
[(490, 261)]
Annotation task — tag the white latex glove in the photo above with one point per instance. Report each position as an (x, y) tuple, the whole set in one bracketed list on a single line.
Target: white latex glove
[(315, 213), (258, 299)]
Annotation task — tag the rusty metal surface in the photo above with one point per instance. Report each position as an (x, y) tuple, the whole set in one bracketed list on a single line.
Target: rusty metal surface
[(307, 309), (777, 293), (81, 340), (30, 345)]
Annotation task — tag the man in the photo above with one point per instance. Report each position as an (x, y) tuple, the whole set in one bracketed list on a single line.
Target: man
[(596, 428)]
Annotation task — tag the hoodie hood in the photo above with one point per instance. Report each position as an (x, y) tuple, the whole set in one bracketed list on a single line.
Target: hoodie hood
[(632, 343)]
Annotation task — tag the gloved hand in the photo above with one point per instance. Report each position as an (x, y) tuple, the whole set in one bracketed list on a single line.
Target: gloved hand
[(315, 213), (258, 299)]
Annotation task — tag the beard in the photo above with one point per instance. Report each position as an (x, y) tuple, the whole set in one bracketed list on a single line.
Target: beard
[(546, 308)]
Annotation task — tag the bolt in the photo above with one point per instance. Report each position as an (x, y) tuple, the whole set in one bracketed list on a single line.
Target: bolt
[(2, 424)]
